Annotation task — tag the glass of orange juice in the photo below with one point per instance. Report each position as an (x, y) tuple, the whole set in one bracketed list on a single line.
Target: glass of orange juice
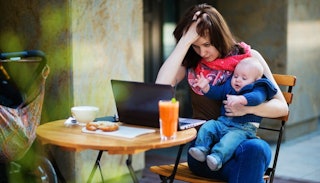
[(168, 114)]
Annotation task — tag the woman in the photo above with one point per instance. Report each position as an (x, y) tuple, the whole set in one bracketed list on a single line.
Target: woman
[(206, 46)]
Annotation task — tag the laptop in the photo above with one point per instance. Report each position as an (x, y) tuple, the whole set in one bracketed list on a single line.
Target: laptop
[(137, 103)]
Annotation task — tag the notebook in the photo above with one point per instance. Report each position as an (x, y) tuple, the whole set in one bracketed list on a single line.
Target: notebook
[(137, 103)]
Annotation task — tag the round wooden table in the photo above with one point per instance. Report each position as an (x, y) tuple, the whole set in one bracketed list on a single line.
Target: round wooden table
[(56, 133)]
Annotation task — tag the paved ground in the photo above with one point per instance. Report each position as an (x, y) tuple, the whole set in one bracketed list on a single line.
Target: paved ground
[(300, 158)]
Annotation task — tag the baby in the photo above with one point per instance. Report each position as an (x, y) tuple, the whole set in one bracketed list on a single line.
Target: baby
[(218, 139)]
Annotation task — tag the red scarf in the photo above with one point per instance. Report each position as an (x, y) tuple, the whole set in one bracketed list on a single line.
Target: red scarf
[(219, 70)]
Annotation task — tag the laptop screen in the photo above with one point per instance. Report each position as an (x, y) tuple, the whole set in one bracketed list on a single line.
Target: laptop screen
[(137, 102)]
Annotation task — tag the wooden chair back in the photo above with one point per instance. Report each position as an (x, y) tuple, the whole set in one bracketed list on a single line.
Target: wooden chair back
[(286, 84)]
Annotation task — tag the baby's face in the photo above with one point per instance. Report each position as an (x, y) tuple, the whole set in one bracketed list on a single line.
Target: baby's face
[(242, 76)]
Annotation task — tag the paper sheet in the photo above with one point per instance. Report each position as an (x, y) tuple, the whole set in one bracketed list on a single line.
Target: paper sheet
[(124, 131)]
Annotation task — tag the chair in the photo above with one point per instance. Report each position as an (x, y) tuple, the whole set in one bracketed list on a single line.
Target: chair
[(180, 171)]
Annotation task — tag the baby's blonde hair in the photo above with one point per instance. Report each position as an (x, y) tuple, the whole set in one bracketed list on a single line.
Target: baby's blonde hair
[(254, 65)]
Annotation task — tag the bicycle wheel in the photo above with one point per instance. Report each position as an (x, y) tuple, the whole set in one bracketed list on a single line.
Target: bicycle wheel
[(45, 171), (41, 172)]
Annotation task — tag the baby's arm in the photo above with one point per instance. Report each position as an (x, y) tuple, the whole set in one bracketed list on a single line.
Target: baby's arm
[(253, 98)]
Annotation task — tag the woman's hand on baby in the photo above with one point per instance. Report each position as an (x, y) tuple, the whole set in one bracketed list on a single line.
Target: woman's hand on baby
[(233, 100), (234, 108)]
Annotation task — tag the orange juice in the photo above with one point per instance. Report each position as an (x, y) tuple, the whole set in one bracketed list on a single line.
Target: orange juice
[(169, 114)]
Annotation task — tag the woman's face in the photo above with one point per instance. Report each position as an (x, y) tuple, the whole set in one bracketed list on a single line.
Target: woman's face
[(205, 49)]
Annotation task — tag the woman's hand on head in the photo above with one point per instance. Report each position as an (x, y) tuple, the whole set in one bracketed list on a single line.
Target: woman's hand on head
[(196, 16), (191, 33)]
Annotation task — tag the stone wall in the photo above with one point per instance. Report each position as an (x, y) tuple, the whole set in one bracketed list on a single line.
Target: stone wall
[(87, 43), (303, 40), (106, 44)]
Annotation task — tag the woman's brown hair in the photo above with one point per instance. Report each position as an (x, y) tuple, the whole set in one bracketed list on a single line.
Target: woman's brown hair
[(211, 23)]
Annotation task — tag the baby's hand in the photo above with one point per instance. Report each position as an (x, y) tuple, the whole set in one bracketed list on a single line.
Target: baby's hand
[(202, 82)]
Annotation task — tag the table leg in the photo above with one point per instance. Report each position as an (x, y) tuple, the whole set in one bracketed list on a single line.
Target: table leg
[(129, 165), (96, 165), (175, 168)]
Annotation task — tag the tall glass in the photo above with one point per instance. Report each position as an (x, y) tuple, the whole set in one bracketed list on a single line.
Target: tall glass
[(168, 114)]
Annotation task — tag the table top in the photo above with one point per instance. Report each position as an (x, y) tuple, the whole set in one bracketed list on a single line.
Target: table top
[(56, 133)]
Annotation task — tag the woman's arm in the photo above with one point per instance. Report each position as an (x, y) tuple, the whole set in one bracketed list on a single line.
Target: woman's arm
[(276, 107), (172, 71)]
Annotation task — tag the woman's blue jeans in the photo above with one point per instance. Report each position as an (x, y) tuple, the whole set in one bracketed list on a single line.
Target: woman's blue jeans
[(247, 165)]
